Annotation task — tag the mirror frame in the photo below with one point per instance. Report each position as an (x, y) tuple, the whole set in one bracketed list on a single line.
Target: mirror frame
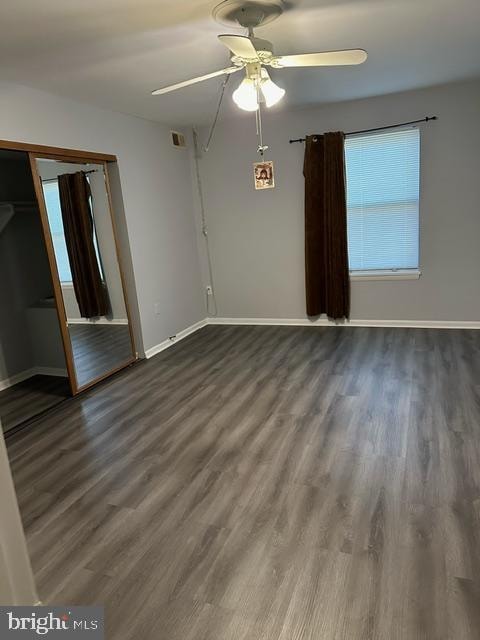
[(82, 157)]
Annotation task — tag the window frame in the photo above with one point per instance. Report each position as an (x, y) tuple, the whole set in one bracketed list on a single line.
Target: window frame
[(391, 274)]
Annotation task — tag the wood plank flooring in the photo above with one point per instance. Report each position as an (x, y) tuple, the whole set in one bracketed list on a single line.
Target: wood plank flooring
[(30, 397), (267, 483)]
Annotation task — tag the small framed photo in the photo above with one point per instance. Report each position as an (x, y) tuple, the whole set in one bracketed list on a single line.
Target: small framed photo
[(263, 175)]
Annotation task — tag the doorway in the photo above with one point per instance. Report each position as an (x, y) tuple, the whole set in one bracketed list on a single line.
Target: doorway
[(33, 371)]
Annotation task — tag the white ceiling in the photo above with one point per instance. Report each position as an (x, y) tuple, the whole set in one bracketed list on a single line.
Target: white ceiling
[(112, 53)]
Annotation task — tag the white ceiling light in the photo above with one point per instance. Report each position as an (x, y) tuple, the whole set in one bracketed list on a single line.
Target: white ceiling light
[(246, 96), (257, 87), (271, 92)]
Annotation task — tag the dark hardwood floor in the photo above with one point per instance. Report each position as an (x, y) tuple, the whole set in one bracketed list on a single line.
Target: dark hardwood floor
[(28, 398), (267, 483)]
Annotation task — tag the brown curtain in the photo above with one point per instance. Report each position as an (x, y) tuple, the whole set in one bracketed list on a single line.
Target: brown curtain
[(90, 291), (326, 251)]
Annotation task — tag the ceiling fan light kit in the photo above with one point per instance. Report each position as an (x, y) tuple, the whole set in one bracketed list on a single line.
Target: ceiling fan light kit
[(257, 87)]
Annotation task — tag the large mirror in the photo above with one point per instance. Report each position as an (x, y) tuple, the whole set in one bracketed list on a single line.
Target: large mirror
[(79, 218)]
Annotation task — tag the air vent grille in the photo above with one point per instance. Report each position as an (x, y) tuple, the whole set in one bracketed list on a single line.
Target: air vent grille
[(178, 139)]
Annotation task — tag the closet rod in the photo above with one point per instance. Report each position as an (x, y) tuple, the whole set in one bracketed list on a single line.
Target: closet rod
[(391, 126)]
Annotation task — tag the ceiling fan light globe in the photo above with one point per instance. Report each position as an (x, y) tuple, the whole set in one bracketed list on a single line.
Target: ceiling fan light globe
[(271, 92), (246, 96)]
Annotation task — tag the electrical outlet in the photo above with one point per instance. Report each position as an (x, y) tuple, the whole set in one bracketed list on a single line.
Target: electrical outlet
[(209, 290), (156, 308)]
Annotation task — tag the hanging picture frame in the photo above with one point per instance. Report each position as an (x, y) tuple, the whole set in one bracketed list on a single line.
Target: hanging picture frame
[(263, 175)]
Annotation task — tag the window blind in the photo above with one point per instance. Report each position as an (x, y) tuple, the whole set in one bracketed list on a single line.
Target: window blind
[(383, 176)]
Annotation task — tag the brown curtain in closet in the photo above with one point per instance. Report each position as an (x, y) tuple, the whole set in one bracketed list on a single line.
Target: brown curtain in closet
[(78, 225), (326, 250)]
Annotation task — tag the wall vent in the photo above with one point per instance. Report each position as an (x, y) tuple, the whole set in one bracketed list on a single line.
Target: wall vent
[(178, 139)]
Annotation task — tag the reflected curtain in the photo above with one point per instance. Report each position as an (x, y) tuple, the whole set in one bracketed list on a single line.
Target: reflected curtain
[(326, 250), (78, 225)]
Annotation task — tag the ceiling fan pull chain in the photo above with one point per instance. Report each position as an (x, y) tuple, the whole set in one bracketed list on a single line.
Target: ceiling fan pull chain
[(261, 147)]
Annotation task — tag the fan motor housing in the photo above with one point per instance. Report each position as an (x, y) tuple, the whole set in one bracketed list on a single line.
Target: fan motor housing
[(246, 13)]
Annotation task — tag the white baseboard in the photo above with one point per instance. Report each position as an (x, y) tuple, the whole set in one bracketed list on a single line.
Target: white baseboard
[(305, 322), (29, 373), (99, 321), (324, 322), (176, 338), (15, 379)]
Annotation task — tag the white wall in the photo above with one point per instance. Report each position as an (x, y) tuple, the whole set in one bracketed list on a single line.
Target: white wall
[(257, 237), (155, 179)]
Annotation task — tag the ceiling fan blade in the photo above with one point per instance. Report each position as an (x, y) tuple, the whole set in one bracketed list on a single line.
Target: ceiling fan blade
[(186, 83), (240, 46), (324, 59)]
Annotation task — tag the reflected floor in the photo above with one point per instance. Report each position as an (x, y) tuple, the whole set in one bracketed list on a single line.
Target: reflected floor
[(28, 398), (98, 348)]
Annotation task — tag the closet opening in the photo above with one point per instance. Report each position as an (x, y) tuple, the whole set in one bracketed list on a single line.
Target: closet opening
[(33, 369)]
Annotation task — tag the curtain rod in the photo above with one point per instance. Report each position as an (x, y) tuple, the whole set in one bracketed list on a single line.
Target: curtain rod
[(84, 172), (391, 126)]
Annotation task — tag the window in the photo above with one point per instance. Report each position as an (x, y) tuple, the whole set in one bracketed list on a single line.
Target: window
[(54, 213), (383, 172), (52, 202)]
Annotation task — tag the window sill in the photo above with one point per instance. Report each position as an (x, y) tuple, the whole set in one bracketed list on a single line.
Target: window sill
[(386, 274)]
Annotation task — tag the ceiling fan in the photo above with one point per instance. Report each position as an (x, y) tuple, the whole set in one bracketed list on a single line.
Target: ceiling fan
[(255, 54)]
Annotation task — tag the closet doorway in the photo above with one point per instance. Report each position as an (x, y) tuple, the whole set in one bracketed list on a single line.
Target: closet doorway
[(33, 370), (64, 316)]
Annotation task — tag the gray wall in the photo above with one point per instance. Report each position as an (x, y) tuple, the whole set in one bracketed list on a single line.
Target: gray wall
[(156, 191), (257, 237), (15, 350)]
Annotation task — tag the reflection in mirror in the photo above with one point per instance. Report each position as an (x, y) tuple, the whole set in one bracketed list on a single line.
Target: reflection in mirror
[(79, 218)]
